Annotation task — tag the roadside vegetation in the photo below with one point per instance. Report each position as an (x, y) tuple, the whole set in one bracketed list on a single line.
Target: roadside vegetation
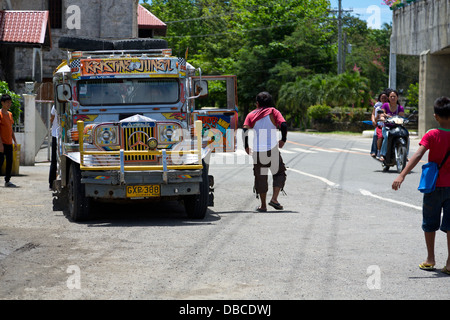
[(288, 48)]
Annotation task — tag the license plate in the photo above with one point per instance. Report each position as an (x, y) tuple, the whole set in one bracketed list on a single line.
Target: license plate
[(142, 191)]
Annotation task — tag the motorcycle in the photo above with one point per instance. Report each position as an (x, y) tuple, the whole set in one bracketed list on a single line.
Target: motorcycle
[(397, 144)]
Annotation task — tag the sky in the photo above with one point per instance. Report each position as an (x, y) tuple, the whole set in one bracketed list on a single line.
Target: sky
[(372, 11)]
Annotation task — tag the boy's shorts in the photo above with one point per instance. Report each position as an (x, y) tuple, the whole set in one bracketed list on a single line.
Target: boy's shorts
[(433, 204), (265, 161)]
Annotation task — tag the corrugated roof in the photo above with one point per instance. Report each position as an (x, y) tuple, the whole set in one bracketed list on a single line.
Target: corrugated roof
[(23, 26), (148, 20)]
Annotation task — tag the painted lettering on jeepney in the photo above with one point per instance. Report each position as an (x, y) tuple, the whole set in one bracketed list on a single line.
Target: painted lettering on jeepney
[(209, 122), (218, 122), (84, 117), (114, 66), (174, 115), (223, 123), (215, 128)]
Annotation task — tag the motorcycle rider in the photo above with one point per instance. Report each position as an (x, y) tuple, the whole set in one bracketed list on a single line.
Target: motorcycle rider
[(380, 119), (391, 108), (382, 98)]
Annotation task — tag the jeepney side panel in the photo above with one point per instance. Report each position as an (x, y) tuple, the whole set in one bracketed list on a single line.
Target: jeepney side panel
[(218, 128), (220, 125)]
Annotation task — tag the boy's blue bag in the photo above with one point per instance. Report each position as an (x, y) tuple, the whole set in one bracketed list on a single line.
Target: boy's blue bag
[(430, 172)]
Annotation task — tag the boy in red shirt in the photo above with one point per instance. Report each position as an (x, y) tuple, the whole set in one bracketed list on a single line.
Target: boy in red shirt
[(6, 137), (437, 141)]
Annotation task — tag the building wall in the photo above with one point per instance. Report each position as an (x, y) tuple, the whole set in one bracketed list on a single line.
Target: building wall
[(106, 19), (423, 29), (434, 82), (420, 26)]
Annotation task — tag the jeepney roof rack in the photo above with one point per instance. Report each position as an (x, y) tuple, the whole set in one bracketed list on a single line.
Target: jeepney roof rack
[(121, 53)]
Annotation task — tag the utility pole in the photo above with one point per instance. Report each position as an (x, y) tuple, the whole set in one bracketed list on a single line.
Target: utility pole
[(340, 55), (340, 67)]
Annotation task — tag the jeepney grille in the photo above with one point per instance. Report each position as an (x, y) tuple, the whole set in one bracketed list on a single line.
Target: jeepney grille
[(135, 139)]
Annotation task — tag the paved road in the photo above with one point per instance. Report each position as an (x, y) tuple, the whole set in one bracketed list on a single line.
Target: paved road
[(344, 234)]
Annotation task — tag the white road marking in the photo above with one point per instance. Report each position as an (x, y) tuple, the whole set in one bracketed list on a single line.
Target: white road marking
[(324, 150), (304, 150), (328, 182), (369, 194), (338, 149), (286, 151), (363, 150), (363, 192)]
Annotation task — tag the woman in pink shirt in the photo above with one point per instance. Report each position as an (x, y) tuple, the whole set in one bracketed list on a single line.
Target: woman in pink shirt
[(391, 108)]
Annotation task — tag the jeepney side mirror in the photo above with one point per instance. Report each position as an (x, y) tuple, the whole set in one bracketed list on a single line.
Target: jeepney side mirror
[(63, 92), (201, 88)]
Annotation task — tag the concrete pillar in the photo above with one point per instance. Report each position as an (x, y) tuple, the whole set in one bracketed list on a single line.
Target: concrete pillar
[(434, 82), (392, 65), (29, 144)]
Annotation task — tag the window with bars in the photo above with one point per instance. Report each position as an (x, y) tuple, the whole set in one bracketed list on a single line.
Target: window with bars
[(55, 12)]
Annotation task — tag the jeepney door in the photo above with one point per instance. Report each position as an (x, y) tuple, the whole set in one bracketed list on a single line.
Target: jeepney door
[(219, 124)]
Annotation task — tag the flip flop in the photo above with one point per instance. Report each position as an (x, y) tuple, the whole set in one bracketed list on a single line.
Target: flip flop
[(276, 205), (427, 267), (445, 270), (261, 210)]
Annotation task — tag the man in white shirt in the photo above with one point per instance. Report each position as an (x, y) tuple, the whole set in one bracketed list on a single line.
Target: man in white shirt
[(265, 120)]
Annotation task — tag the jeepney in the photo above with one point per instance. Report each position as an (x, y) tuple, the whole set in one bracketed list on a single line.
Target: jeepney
[(130, 130)]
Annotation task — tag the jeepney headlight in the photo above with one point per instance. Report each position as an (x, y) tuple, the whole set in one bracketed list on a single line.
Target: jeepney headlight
[(106, 135), (152, 143), (169, 133), (87, 134)]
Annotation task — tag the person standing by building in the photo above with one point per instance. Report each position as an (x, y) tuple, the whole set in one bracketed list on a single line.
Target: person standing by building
[(265, 120), (53, 164), (7, 138)]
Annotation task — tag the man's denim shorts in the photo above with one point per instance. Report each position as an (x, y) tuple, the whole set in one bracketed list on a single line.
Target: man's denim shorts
[(433, 203)]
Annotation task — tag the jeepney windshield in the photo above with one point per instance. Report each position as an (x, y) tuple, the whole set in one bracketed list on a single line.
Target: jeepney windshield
[(128, 91)]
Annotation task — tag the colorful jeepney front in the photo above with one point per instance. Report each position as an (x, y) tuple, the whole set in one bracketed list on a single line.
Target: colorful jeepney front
[(131, 125)]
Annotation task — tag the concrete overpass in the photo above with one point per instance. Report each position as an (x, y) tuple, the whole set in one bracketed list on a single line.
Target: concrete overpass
[(422, 28)]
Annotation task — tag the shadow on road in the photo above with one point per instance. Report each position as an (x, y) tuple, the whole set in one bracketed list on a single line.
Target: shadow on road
[(165, 214)]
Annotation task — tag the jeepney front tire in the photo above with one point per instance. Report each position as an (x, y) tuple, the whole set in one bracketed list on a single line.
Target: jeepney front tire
[(197, 205), (78, 203)]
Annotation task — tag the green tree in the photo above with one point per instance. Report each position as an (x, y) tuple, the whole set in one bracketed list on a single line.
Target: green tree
[(412, 96), (244, 37), (286, 47), (15, 106), (347, 89)]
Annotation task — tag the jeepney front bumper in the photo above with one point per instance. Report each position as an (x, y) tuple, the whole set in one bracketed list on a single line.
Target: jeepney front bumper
[(106, 175), (141, 184)]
